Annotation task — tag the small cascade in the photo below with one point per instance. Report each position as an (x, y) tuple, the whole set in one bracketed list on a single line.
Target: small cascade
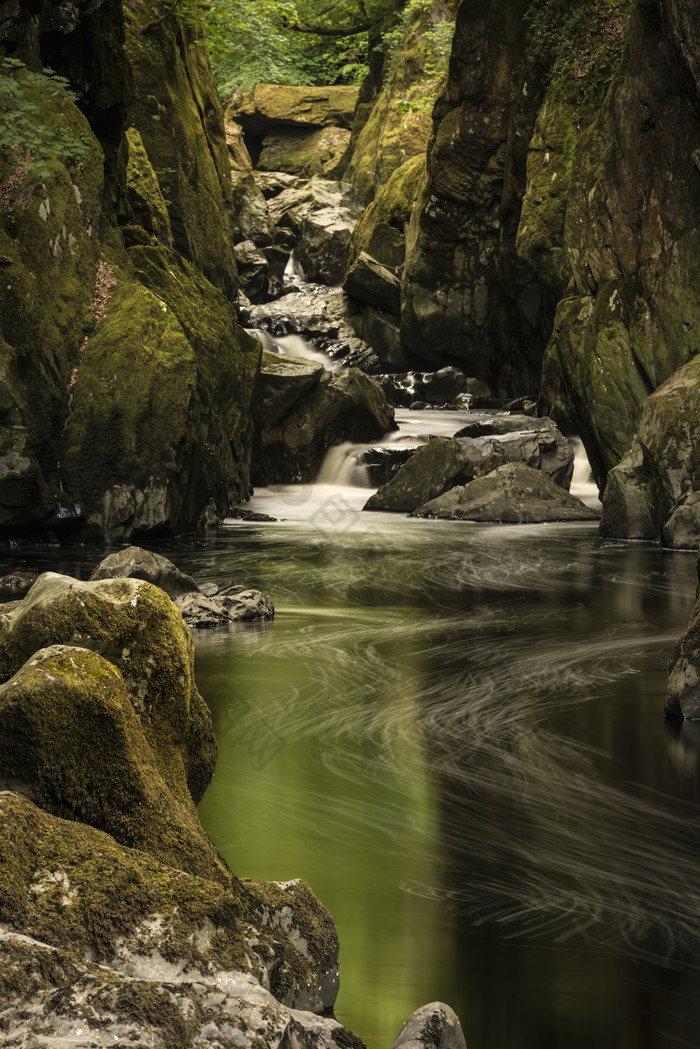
[(583, 482), (343, 466), (291, 346)]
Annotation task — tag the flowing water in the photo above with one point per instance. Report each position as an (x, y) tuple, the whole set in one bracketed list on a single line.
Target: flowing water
[(455, 734)]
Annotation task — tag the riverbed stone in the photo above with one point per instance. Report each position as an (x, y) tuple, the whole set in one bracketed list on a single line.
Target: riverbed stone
[(236, 604), (536, 442), (253, 270), (433, 1026), (292, 206), (511, 494), (133, 562), (433, 469), (136, 627), (251, 216)]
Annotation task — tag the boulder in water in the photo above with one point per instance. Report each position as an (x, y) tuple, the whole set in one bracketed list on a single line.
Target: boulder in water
[(135, 563), (512, 494), (236, 604), (683, 692), (536, 442), (431, 470), (282, 381), (433, 1026)]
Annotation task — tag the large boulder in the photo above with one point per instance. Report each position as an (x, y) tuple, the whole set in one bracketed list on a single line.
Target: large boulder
[(134, 563), (433, 469), (295, 203), (652, 493), (97, 936), (519, 438), (369, 281), (324, 235), (71, 739), (435, 1025), (511, 494), (338, 406), (683, 692), (302, 152), (283, 380), (281, 105), (137, 628)]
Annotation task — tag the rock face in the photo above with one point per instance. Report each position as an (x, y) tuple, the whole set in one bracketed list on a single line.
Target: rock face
[(512, 494), (303, 412), (371, 282), (683, 694), (653, 492)]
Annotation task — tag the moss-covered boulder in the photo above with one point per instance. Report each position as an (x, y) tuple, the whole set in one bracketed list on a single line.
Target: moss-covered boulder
[(337, 406), (95, 934), (381, 231), (178, 114), (511, 494), (651, 493), (136, 627), (71, 739), (272, 105), (159, 422), (302, 152), (683, 692), (433, 469)]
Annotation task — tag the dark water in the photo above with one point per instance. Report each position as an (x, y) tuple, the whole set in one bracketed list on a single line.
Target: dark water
[(455, 734)]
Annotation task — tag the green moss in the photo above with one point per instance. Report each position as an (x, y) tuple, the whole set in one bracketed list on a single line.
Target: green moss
[(147, 204), (381, 229)]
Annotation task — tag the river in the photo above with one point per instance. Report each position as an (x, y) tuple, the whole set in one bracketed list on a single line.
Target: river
[(455, 734)]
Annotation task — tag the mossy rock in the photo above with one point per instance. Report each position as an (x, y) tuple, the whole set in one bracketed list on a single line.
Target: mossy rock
[(70, 738), (290, 105), (134, 563), (683, 690), (302, 152), (127, 919), (136, 627), (381, 229), (178, 114), (148, 210)]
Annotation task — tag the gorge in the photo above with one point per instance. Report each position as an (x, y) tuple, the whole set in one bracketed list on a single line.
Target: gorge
[(254, 336)]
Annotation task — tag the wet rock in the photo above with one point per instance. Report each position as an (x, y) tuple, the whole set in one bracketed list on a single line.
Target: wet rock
[(233, 605), (682, 529), (383, 334), (629, 500), (431, 470), (18, 582), (135, 563), (440, 387), (345, 405), (72, 740), (250, 214), (282, 382), (511, 494), (433, 1026), (536, 442), (304, 152), (383, 462), (324, 235), (369, 281), (253, 270), (292, 206), (240, 513), (683, 691)]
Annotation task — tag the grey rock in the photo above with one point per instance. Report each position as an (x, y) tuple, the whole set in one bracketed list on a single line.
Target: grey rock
[(370, 282), (512, 494), (384, 461), (383, 334), (135, 563), (439, 387), (430, 471), (282, 382), (683, 691), (536, 442), (253, 270), (291, 207), (234, 605), (250, 213), (323, 239), (682, 528), (433, 1026), (18, 582)]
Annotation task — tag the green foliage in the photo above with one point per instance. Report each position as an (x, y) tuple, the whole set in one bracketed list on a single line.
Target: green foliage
[(436, 39), (24, 135)]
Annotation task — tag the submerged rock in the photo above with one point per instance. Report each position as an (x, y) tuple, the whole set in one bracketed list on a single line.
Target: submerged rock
[(434, 1026), (683, 692), (512, 494)]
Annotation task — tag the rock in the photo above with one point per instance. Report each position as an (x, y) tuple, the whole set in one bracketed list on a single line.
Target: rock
[(383, 462), (324, 235), (240, 513), (369, 281), (536, 442), (177, 111), (147, 208), (237, 151), (234, 605), (281, 105), (433, 1026), (168, 430), (102, 936), (282, 382), (135, 563), (251, 216), (292, 206), (253, 270), (661, 471), (381, 230), (383, 334), (683, 691), (340, 406), (441, 387), (19, 581), (300, 152), (431, 470), (137, 628), (511, 494), (72, 740)]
